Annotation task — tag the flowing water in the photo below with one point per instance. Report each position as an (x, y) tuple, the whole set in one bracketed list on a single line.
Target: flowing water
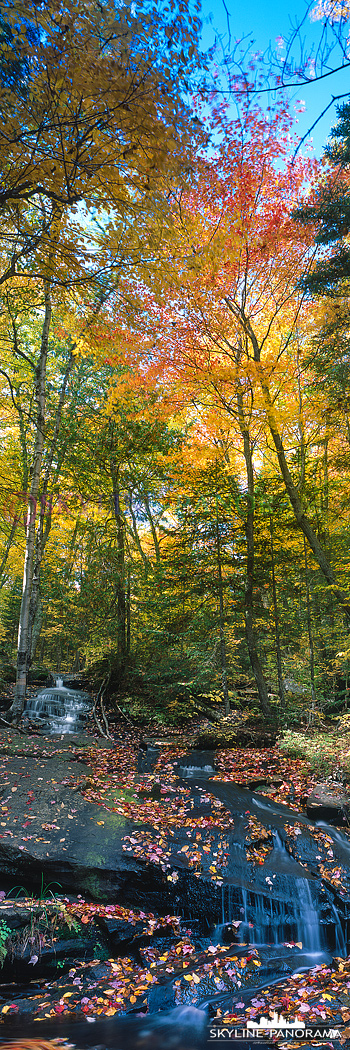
[(267, 920), (279, 903), (195, 771), (59, 709), (184, 1028), (270, 921), (275, 905)]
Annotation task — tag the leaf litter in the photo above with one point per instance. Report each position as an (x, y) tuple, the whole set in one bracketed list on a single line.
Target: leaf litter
[(158, 805)]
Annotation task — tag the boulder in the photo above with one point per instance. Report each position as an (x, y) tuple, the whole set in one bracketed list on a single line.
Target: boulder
[(329, 803)]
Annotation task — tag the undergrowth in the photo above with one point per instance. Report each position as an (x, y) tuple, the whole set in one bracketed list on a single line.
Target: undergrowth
[(327, 753), (5, 933), (47, 915)]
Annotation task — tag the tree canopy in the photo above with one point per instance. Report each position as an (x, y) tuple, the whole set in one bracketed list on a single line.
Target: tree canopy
[(174, 375)]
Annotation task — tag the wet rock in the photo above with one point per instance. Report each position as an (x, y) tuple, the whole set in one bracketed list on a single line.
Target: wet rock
[(328, 803), (40, 941), (60, 955), (123, 936), (55, 835), (39, 676)]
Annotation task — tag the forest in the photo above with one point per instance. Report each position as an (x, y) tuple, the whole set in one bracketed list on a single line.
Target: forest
[(174, 530), (175, 372)]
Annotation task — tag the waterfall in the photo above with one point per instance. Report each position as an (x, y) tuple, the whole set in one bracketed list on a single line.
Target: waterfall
[(339, 939), (263, 917), (271, 921), (58, 709), (195, 771), (277, 921), (267, 920)]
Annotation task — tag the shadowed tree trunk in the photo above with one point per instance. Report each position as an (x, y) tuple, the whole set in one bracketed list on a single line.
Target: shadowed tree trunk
[(23, 651), (311, 642), (128, 615), (221, 603), (255, 662), (121, 597), (276, 619)]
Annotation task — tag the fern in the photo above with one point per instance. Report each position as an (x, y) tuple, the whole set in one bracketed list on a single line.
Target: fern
[(4, 935)]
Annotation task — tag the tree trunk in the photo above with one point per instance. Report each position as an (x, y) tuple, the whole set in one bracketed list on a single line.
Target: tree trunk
[(23, 651), (7, 549), (135, 535), (249, 616), (311, 642), (153, 528), (325, 500), (45, 515), (291, 489), (276, 618), (249, 589), (42, 650), (128, 615), (121, 599), (59, 654), (254, 658), (221, 606), (36, 629), (40, 544)]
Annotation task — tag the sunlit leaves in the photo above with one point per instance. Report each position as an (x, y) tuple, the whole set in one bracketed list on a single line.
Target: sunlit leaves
[(95, 117)]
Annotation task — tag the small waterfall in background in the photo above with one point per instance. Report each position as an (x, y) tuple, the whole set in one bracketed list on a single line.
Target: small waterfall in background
[(58, 708)]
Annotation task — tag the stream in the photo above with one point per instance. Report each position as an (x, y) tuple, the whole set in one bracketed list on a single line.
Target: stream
[(278, 905)]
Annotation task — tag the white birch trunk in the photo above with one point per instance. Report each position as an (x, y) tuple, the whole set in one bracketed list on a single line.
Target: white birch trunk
[(44, 517)]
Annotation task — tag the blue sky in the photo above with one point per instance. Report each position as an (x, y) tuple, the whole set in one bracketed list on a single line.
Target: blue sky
[(265, 20)]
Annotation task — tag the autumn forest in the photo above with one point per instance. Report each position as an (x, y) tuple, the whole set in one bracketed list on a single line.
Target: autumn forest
[(175, 369)]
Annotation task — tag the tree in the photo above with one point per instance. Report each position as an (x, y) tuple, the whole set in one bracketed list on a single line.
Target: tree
[(94, 118), (28, 321), (242, 287), (295, 63), (329, 216), (91, 152)]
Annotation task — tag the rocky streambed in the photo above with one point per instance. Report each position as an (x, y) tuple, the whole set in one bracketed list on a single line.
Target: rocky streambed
[(149, 885)]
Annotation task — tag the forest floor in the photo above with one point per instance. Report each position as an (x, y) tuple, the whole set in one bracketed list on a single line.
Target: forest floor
[(52, 787)]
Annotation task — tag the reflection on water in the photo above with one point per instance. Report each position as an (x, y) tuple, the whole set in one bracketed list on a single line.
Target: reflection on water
[(184, 1028)]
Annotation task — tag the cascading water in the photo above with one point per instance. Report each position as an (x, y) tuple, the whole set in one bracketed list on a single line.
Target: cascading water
[(195, 771), (275, 899), (59, 709), (277, 921), (270, 921), (262, 918), (199, 764)]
